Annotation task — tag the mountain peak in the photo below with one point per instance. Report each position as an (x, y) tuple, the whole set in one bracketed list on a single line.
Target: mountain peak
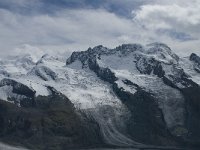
[(159, 51), (162, 52), (194, 57)]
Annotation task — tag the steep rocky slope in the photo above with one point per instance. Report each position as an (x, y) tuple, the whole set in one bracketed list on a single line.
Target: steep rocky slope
[(129, 96), (51, 123)]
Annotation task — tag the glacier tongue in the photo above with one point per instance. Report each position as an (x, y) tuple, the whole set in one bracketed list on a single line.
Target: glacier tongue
[(112, 122)]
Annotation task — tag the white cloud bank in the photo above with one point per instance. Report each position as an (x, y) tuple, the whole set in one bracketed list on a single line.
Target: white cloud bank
[(178, 17), (66, 30), (182, 18), (77, 29)]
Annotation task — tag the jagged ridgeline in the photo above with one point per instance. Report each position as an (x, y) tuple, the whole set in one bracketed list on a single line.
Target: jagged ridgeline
[(130, 96)]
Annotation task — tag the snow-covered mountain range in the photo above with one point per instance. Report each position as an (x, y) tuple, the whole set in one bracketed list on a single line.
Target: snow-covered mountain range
[(136, 95)]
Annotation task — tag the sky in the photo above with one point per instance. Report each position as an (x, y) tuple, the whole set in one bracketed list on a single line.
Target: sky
[(50, 26)]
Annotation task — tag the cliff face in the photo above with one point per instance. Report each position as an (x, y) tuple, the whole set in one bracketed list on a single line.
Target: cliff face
[(129, 96), (51, 123)]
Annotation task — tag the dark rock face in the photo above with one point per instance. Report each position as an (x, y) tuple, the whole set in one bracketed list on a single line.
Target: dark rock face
[(51, 124), (192, 95), (44, 73), (104, 73), (196, 60), (149, 66), (191, 92), (27, 94), (89, 59), (146, 124), (18, 87), (126, 49)]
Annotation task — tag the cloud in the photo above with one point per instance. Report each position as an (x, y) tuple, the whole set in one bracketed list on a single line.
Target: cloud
[(69, 29), (169, 16), (174, 21), (27, 7), (73, 28), (175, 17)]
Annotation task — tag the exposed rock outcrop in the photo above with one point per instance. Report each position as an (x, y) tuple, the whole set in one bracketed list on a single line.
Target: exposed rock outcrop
[(52, 123)]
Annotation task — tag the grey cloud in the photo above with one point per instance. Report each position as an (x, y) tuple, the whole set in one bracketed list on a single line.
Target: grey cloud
[(175, 35), (175, 21), (69, 27), (32, 7), (76, 29)]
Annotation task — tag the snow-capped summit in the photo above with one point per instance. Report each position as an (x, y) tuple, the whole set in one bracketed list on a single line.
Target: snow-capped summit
[(162, 52)]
